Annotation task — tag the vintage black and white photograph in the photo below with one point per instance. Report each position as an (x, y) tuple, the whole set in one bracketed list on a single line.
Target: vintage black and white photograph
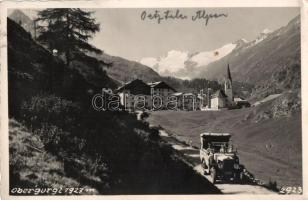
[(154, 101)]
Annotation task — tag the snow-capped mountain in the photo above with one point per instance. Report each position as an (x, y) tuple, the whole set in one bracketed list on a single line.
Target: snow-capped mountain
[(250, 61), (185, 65), (262, 36), (182, 64)]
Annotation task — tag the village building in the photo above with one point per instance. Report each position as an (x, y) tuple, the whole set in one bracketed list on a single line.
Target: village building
[(161, 93), (161, 88), (219, 100), (137, 94), (223, 98), (186, 101), (133, 93), (228, 86), (241, 103), (204, 99)]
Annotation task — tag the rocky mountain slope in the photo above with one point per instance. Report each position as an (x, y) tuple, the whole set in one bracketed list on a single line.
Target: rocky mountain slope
[(259, 59), (250, 61)]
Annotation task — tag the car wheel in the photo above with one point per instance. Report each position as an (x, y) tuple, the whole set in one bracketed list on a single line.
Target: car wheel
[(238, 177), (241, 177)]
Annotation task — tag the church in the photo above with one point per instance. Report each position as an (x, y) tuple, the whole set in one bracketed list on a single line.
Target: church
[(223, 98)]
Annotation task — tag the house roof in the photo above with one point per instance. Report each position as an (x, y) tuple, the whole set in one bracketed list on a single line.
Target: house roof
[(177, 94), (188, 94), (219, 94), (183, 93), (160, 84), (238, 99), (136, 87), (154, 84)]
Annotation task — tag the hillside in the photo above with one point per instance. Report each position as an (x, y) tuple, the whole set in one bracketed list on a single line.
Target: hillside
[(58, 140), (269, 148), (26, 167), (27, 69), (32, 71), (124, 70)]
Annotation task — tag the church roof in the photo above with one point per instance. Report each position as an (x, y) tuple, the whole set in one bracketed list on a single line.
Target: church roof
[(219, 94)]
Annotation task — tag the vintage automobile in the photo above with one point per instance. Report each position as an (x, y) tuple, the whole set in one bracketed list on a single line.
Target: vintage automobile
[(219, 158)]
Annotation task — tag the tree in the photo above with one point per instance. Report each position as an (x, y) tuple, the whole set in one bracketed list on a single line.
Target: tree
[(68, 31)]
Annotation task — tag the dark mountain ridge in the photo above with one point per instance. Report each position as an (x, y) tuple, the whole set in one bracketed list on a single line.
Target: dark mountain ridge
[(23, 20), (255, 62), (31, 72), (124, 70)]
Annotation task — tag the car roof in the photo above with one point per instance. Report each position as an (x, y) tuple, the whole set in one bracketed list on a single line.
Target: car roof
[(215, 134)]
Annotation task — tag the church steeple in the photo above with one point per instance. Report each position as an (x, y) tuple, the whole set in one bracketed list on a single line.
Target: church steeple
[(229, 73), (228, 85)]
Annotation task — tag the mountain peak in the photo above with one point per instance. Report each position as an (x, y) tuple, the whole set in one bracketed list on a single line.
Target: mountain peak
[(244, 40), (296, 20), (18, 15), (23, 20), (263, 35), (266, 31), (201, 64), (240, 42)]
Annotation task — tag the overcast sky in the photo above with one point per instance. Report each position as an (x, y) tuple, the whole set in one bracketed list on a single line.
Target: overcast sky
[(124, 34)]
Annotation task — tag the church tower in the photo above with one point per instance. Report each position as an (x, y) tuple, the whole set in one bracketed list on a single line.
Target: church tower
[(228, 85)]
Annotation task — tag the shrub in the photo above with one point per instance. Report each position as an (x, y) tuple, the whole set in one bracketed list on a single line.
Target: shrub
[(144, 115), (30, 165), (51, 110), (52, 136)]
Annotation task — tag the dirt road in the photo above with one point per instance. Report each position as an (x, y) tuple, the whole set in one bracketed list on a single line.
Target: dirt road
[(191, 155)]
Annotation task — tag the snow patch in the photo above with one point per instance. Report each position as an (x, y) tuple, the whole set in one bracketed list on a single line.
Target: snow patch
[(182, 63), (266, 31), (205, 58), (174, 61), (263, 35)]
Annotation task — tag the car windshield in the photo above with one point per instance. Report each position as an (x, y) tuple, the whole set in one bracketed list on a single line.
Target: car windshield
[(218, 145), (223, 147)]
